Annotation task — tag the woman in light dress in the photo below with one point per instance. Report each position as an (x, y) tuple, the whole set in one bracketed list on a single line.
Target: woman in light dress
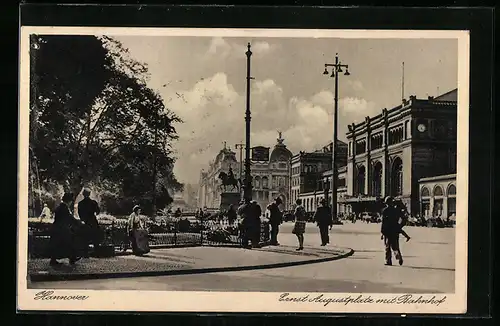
[(300, 223), (136, 228)]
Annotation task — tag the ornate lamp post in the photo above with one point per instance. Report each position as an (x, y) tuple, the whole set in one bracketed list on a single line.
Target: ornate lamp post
[(248, 178), (326, 189), (240, 172), (336, 69)]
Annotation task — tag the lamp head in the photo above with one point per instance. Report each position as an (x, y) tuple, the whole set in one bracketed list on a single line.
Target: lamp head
[(347, 72), (325, 72)]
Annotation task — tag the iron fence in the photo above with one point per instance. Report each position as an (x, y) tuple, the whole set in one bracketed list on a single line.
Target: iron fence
[(171, 234)]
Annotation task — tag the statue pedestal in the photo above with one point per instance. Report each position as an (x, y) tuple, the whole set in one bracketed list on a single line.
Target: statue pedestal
[(229, 198)]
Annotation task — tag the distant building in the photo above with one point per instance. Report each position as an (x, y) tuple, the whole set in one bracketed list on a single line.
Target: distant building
[(270, 176), (179, 202), (307, 174), (438, 196), (210, 185), (190, 195), (390, 153)]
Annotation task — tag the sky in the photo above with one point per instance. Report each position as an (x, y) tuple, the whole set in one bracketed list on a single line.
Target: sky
[(203, 80)]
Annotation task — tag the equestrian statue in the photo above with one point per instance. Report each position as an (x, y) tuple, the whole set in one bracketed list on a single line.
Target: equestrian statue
[(229, 180)]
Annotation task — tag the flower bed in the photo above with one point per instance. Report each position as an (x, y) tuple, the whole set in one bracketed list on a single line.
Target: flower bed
[(169, 231)]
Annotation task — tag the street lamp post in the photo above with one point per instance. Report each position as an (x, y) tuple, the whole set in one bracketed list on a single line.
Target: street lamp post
[(336, 69), (240, 174), (248, 178), (326, 188)]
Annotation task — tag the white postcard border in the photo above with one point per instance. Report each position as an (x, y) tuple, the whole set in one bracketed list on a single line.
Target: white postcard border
[(144, 301)]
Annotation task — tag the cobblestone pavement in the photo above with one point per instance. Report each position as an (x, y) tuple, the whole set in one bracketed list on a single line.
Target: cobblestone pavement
[(429, 267)]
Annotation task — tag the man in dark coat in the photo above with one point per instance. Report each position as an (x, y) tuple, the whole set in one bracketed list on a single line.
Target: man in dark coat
[(251, 212), (275, 219), (88, 209), (244, 212), (404, 218), (390, 230), (231, 214), (323, 218), (256, 213), (62, 242)]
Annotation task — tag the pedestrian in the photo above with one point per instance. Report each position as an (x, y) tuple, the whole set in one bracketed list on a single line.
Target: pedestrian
[(137, 232), (404, 218), (231, 214), (300, 223), (88, 209), (245, 227), (256, 213), (46, 213), (275, 219), (390, 230), (323, 219), (62, 242)]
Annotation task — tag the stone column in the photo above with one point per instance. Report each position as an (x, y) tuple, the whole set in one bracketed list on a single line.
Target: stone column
[(445, 208), (431, 206), (354, 169), (368, 174), (386, 169)]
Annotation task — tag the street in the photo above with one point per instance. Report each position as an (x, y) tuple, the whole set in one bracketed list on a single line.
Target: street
[(428, 267)]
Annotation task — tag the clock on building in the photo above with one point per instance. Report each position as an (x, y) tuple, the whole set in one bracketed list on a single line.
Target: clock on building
[(421, 127)]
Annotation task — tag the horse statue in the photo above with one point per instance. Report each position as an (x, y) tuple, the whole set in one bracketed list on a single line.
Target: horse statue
[(228, 180)]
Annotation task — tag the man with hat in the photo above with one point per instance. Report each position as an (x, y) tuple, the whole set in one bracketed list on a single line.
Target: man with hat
[(251, 212), (88, 209), (323, 219), (390, 230), (275, 219)]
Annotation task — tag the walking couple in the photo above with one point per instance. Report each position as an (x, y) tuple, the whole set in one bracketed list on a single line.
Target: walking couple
[(323, 219), (276, 218), (393, 221)]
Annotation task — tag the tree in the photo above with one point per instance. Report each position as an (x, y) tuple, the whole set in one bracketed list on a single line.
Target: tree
[(94, 120)]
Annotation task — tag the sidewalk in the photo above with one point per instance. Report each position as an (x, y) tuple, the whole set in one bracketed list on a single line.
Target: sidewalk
[(189, 260)]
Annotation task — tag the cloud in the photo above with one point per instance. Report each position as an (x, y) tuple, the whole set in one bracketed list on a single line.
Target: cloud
[(355, 85), (213, 113), (223, 49), (261, 47), (219, 46)]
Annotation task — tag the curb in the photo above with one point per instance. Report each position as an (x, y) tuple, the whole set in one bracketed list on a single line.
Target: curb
[(96, 276), (222, 245)]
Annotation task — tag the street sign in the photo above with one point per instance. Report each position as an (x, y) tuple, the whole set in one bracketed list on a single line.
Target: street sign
[(260, 153)]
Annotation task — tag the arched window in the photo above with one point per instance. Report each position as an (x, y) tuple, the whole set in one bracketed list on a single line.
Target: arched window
[(452, 200), (397, 177), (425, 192), (438, 191), (361, 180), (281, 182), (265, 182), (377, 179), (257, 182)]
